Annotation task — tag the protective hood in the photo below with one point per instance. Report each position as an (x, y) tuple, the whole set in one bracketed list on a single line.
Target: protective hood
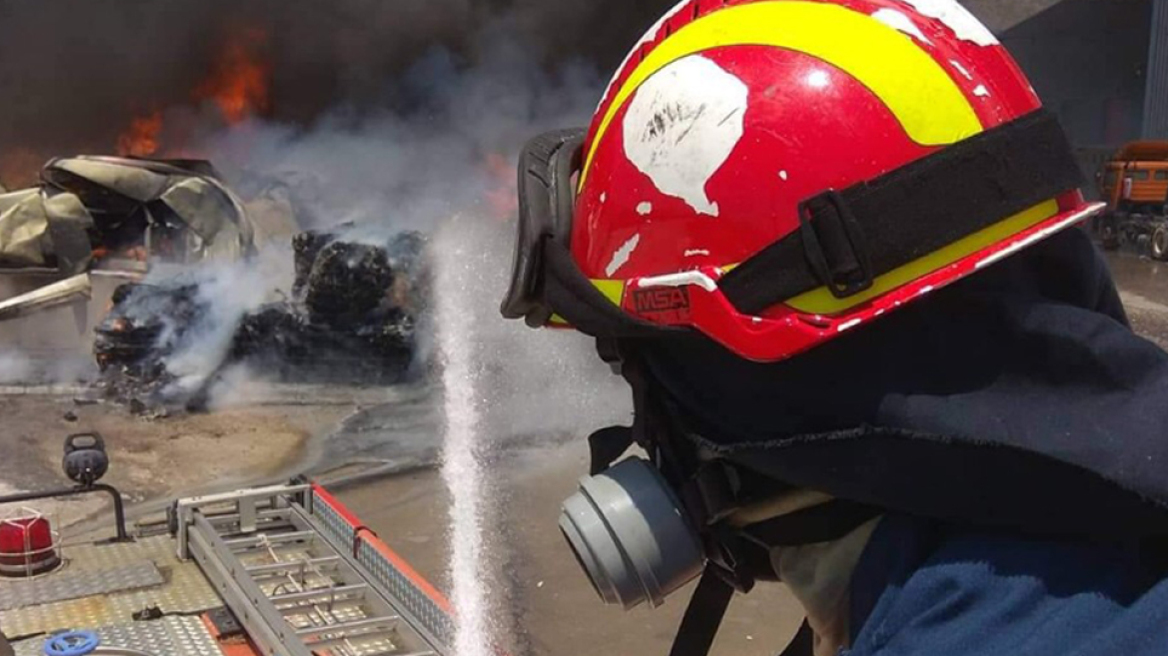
[(1016, 398)]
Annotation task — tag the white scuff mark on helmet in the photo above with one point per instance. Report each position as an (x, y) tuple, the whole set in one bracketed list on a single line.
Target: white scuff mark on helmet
[(644, 209), (684, 279), (696, 251), (622, 255), (925, 290), (650, 35), (848, 325), (783, 175), (957, 18), (981, 91), (756, 320), (961, 69), (682, 126), (880, 312), (898, 21), (603, 196)]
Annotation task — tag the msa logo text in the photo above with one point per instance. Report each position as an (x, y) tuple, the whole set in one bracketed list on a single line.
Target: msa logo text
[(663, 304)]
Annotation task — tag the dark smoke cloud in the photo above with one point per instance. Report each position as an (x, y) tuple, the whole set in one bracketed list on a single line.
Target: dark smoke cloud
[(73, 74)]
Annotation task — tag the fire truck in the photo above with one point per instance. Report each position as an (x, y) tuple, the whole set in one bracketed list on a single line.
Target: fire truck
[(282, 569)]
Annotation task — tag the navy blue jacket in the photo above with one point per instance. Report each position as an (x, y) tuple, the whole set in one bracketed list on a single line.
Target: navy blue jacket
[(928, 589), (1014, 428), (1018, 398)]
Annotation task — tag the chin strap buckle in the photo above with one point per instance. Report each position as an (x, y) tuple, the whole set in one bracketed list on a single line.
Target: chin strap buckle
[(834, 244)]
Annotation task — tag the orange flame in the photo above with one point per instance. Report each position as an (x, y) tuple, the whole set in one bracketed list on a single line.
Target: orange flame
[(238, 85), (19, 166), (141, 139), (501, 194)]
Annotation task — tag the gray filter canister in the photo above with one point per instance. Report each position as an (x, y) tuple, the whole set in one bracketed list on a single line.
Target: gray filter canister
[(630, 535)]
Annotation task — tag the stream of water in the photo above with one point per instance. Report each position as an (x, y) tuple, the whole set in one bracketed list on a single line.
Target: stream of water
[(462, 461)]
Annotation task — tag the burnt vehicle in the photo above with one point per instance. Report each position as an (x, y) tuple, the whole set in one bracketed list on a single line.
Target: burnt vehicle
[(96, 222), (92, 208)]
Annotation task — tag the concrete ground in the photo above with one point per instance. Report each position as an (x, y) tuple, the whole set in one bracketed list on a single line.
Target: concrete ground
[(1143, 284), (151, 459)]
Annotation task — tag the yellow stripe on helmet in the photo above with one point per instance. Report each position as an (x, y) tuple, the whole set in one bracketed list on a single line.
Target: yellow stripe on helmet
[(822, 301), (920, 93), (613, 290)]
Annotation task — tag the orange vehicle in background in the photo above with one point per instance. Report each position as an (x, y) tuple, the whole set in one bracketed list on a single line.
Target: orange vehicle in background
[(1134, 183)]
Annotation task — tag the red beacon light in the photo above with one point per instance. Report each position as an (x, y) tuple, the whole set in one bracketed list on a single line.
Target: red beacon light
[(28, 545)]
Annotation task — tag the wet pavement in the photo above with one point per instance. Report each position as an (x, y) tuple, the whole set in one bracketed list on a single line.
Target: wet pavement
[(1143, 284)]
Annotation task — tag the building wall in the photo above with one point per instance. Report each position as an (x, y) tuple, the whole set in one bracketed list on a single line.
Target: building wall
[(1087, 59), (1156, 96), (1001, 15)]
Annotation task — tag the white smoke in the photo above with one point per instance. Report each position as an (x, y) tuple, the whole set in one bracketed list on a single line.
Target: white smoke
[(16, 367), (445, 145), (22, 368), (446, 148), (228, 291)]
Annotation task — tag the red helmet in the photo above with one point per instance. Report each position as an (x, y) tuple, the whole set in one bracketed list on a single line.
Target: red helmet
[(773, 173)]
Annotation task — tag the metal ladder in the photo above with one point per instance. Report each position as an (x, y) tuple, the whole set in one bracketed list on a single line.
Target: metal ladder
[(294, 592)]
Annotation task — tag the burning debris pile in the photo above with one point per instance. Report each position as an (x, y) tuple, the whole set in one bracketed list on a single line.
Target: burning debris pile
[(352, 314), (350, 317)]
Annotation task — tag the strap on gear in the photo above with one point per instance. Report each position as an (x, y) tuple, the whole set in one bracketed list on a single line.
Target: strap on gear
[(826, 522), (576, 299), (711, 491), (803, 644), (703, 616), (850, 237), (606, 445)]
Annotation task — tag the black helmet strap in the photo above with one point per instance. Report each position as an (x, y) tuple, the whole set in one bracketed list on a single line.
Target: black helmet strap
[(850, 237)]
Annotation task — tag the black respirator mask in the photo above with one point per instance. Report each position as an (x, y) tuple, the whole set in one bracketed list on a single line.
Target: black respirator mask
[(625, 525)]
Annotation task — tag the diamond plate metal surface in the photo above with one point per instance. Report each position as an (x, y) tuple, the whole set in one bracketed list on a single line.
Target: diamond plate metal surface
[(177, 636), (436, 620), (77, 584), (185, 589), (100, 586)]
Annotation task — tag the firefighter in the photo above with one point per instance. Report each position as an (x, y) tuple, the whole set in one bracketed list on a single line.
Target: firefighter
[(830, 246)]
